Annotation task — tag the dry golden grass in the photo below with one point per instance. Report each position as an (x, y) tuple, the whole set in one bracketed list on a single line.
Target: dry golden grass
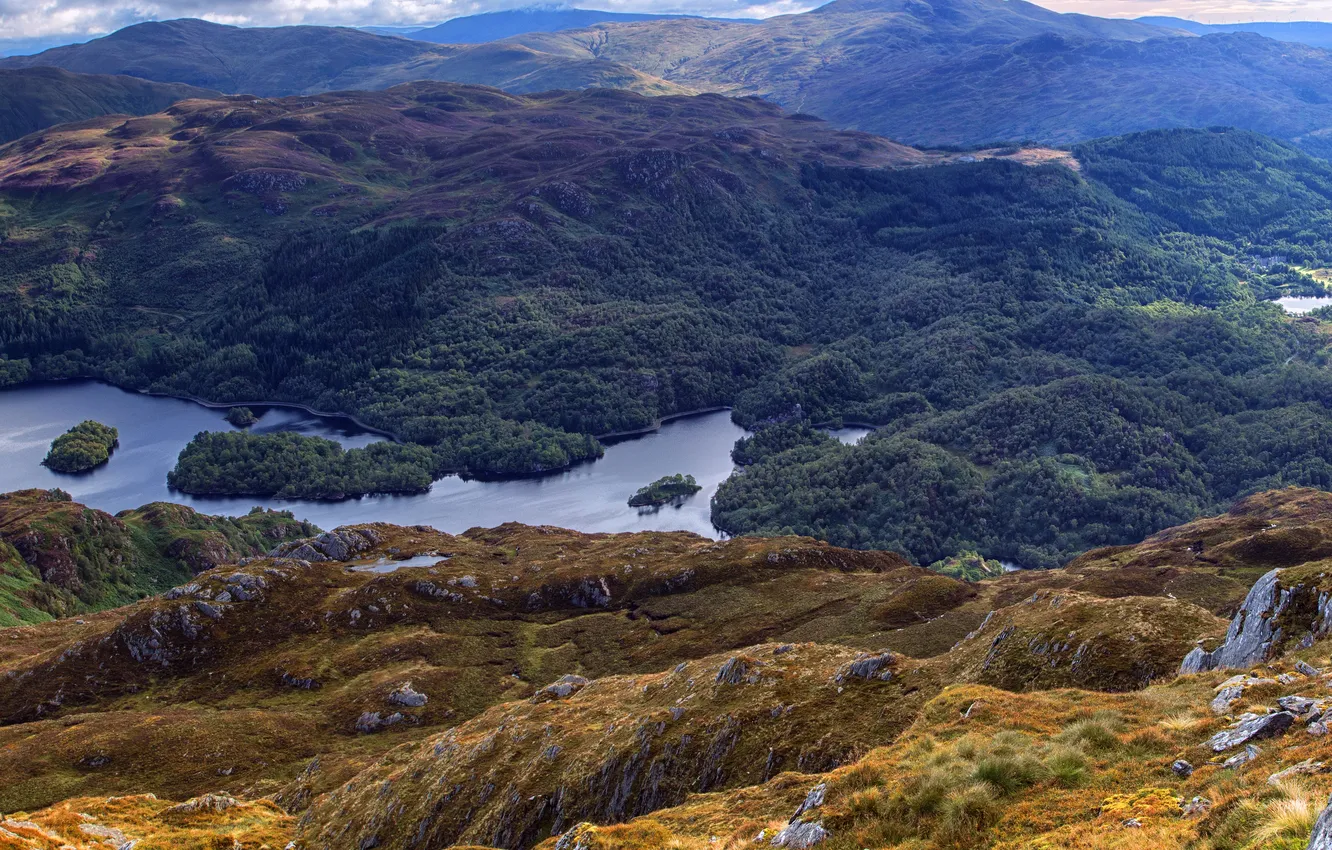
[(965, 749), (96, 823)]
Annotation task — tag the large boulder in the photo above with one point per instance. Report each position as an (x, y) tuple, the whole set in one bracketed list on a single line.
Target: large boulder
[(1251, 727)]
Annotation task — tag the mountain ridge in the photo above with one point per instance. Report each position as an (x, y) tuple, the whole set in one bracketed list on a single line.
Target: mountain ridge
[(277, 61), (954, 72), (494, 26), (1312, 33)]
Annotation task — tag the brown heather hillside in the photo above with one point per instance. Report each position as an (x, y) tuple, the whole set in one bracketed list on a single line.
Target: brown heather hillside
[(426, 147), (534, 678)]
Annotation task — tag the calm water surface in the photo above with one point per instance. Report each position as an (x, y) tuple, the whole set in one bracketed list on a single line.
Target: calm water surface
[(588, 497), (1298, 305)]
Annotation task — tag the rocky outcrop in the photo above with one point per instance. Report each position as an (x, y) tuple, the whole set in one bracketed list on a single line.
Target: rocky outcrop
[(1280, 605), (562, 688), (1251, 632), (341, 544), (407, 697), (1231, 690)]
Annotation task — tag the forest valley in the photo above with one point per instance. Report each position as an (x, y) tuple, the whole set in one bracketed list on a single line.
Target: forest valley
[(1061, 349)]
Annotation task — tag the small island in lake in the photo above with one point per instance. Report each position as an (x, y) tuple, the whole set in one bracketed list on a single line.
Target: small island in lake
[(241, 417), (83, 447), (663, 490), (292, 466)]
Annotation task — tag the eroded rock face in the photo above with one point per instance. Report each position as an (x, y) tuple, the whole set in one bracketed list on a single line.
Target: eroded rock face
[(1280, 606), (206, 553), (1251, 632)]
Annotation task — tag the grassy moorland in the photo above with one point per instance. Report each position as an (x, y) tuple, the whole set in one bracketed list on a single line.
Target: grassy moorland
[(1064, 350), (662, 690)]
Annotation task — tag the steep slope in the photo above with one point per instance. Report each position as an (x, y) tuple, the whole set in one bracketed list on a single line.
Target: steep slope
[(36, 98), (493, 26), (59, 558), (305, 59)]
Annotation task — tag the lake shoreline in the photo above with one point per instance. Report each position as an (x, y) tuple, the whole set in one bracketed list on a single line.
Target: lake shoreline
[(611, 436), (154, 428)]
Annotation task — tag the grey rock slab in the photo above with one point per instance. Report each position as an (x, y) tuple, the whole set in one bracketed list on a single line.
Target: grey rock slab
[(1251, 727)]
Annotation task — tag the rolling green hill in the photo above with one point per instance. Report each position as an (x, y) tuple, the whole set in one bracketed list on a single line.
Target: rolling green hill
[(59, 558), (35, 98)]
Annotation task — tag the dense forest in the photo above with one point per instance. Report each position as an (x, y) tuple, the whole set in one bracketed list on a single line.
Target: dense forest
[(1056, 358), (668, 488), (1028, 414), (292, 466)]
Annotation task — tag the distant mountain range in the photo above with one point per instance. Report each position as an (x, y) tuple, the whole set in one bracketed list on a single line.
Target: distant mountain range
[(493, 26), (927, 72), (1312, 33), (277, 61)]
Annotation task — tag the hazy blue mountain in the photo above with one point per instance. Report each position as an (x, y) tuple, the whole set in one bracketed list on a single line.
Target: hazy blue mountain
[(1312, 33), (401, 32), (275, 61), (27, 46), (928, 72), (492, 26)]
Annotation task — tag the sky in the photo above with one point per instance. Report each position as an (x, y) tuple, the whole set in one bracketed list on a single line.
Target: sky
[(42, 23)]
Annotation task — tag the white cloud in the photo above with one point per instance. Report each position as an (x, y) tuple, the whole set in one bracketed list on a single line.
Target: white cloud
[(21, 19)]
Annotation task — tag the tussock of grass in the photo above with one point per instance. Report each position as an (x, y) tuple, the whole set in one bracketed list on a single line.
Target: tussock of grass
[(1098, 734)]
